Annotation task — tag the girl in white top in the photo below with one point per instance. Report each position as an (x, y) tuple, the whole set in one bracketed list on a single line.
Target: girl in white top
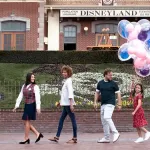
[(31, 94), (67, 102)]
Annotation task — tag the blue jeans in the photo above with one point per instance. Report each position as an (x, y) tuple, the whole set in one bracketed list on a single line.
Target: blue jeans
[(66, 111)]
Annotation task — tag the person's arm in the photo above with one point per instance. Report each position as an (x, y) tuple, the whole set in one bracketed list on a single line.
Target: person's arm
[(19, 99), (37, 97), (117, 91), (96, 96), (70, 90), (119, 98), (70, 93), (139, 104)]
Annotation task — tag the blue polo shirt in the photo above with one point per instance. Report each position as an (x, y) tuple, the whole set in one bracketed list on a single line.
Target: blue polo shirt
[(107, 89)]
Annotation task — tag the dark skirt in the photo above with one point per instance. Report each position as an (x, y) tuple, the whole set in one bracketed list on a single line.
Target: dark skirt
[(29, 112)]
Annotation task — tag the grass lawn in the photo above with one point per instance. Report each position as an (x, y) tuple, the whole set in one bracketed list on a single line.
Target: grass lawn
[(17, 72)]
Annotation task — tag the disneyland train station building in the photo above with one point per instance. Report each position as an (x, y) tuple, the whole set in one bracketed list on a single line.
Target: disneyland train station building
[(89, 24), (55, 25)]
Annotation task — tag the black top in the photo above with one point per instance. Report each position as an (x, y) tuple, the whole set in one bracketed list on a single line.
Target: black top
[(107, 90)]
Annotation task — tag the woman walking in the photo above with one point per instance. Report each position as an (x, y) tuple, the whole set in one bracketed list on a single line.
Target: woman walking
[(31, 94), (67, 101), (139, 121)]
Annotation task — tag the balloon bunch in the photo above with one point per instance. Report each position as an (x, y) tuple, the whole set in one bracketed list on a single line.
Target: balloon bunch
[(137, 47)]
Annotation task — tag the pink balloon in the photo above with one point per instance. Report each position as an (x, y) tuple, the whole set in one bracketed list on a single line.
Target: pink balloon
[(148, 60), (141, 53), (133, 56), (131, 50), (137, 48), (129, 27), (138, 28), (139, 63), (136, 43), (133, 35)]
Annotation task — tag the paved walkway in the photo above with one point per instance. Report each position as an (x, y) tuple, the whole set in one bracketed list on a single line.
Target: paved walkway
[(86, 141)]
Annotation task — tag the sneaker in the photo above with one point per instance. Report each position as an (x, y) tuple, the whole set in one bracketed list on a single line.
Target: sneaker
[(147, 136), (139, 140), (116, 137), (103, 140)]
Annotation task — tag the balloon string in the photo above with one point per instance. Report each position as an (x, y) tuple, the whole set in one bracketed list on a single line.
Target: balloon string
[(131, 87)]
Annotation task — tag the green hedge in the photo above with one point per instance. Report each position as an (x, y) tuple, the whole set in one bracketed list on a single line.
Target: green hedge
[(60, 57)]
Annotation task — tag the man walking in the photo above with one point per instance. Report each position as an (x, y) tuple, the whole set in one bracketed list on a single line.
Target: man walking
[(106, 90)]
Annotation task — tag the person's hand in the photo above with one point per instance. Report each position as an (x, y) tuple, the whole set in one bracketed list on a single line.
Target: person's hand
[(95, 106), (14, 110), (133, 113), (72, 108), (39, 111), (119, 107)]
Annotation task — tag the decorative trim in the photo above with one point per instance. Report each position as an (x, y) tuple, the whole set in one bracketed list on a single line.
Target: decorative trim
[(14, 18), (78, 25), (94, 23), (96, 7)]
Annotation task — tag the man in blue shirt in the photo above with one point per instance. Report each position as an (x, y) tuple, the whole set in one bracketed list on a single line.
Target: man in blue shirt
[(106, 90)]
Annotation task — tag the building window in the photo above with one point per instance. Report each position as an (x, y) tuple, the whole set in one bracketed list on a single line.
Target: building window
[(70, 34), (112, 28), (104, 31), (13, 35)]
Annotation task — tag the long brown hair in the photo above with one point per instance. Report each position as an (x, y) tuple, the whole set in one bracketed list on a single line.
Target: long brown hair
[(142, 91), (28, 79)]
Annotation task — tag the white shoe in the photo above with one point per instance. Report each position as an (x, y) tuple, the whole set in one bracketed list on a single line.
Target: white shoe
[(147, 136), (116, 137), (139, 140), (103, 140)]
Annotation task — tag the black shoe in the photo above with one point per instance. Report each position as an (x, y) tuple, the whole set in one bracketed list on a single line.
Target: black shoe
[(25, 142), (38, 139)]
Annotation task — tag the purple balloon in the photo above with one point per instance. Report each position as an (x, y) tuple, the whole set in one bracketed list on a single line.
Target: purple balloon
[(142, 35), (144, 72)]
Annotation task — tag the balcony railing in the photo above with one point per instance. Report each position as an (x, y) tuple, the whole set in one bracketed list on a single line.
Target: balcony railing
[(97, 2)]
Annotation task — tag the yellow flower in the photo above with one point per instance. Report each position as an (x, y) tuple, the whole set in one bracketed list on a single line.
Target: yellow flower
[(89, 103), (56, 103)]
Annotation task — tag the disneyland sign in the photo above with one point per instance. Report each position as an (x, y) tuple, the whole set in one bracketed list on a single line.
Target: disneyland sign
[(104, 13)]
